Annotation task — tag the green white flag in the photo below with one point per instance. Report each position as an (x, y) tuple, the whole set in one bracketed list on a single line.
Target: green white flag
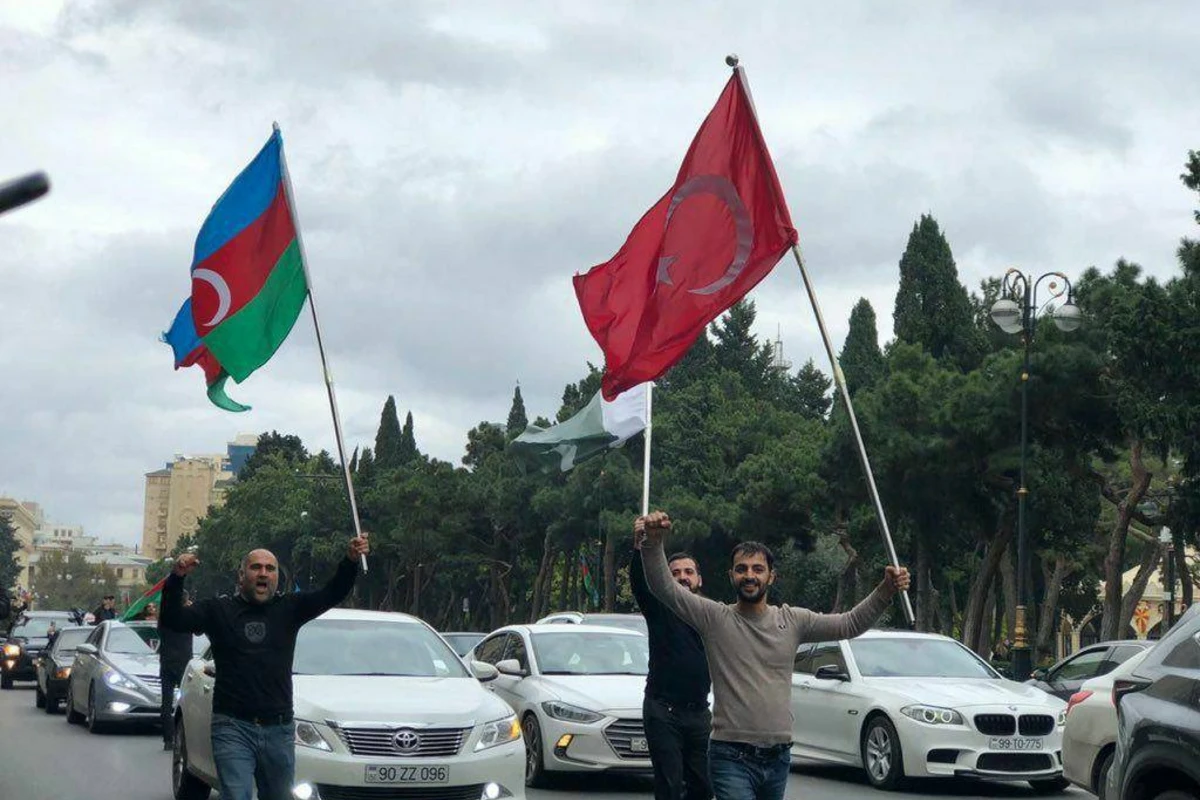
[(601, 425)]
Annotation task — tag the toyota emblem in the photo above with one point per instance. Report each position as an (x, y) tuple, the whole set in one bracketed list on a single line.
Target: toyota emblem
[(407, 740)]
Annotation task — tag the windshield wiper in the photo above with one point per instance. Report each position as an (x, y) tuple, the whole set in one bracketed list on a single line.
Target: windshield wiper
[(388, 674), (561, 672)]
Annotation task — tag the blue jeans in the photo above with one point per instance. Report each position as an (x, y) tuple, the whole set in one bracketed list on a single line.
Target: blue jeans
[(247, 754), (745, 772)]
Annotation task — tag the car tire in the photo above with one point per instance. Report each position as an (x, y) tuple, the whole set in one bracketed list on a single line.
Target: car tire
[(882, 757), (73, 716), (93, 725), (535, 756), (39, 698), (1101, 786), (1175, 794), (51, 704), (1050, 785), (6, 681), (185, 785)]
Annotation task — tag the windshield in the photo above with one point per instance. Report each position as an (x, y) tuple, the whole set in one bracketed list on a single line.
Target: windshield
[(463, 642), (152, 638), (629, 623), (566, 652), (36, 627), (125, 641), (917, 658), (373, 647), (70, 639)]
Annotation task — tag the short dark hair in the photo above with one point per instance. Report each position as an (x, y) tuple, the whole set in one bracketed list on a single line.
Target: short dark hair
[(110, 597), (682, 554), (753, 549)]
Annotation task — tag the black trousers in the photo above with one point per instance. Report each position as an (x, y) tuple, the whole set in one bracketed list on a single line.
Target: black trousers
[(170, 678), (678, 742)]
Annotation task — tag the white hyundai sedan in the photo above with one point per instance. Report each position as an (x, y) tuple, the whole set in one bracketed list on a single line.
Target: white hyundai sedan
[(577, 690), (383, 707), (922, 705)]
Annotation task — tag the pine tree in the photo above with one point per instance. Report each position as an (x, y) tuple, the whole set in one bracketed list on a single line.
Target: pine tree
[(861, 359), (354, 461), (408, 441), (518, 420), (811, 388), (932, 307), (737, 349), (9, 569), (387, 439)]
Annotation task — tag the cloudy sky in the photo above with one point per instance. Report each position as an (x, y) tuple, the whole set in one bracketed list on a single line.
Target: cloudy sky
[(456, 163)]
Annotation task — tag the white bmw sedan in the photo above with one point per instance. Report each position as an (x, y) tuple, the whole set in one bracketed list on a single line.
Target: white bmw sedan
[(577, 690), (904, 704), (383, 707)]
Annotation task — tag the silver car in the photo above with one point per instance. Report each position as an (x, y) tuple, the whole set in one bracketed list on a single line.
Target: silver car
[(114, 679)]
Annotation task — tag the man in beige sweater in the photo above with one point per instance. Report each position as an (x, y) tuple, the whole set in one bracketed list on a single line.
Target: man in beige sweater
[(751, 647)]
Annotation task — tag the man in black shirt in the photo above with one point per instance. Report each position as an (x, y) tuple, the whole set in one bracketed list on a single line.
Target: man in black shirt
[(253, 638), (675, 709), (106, 610)]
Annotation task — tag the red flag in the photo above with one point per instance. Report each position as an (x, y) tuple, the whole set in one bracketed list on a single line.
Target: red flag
[(710, 239)]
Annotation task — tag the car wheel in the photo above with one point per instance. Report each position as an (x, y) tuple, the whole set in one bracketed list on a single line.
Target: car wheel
[(93, 725), (1175, 794), (6, 681), (51, 704), (881, 755), (185, 785), (73, 716), (39, 698), (1101, 785), (1050, 785), (535, 763)]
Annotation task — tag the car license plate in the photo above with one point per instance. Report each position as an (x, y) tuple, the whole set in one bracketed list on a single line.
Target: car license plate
[(638, 744), (1014, 743), (385, 773)]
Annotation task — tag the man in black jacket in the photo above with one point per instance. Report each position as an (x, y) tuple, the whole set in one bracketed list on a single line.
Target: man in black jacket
[(106, 610), (253, 637), (174, 652), (675, 709)]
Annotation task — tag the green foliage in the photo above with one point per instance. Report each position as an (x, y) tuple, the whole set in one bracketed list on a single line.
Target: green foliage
[(518, 420), (388, 440), (861, 359), (64, 579), (9, 547)]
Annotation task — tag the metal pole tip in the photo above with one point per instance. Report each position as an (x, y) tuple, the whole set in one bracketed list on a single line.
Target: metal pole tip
[(732, 60)]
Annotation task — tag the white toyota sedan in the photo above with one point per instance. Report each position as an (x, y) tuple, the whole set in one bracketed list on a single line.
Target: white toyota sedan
[(577, 690), (383, 707), (902, 704)]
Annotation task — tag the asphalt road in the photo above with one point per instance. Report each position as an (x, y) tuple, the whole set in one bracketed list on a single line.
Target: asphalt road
[(44, 758)]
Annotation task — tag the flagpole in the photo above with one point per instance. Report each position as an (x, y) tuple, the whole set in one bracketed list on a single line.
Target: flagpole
[(840, 379), (312, 305), (646, 450)]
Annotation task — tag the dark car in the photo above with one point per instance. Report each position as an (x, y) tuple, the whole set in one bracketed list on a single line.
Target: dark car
[(1064, 678), (1158, 720), (463, 641), (27, 638), (53, 667)]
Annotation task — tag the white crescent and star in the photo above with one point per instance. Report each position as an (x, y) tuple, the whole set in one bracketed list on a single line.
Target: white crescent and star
[(224, 296), (722, 188)]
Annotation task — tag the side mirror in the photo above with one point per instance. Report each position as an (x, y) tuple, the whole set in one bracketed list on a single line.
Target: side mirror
[(510, 666), (86, 649), (210, 669), (831, 672), (484, 671)]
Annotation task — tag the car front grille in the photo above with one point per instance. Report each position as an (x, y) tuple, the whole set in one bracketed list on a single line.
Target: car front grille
[(1036, 724), (152, 681), (620, 736), (470, 792), (1013, 762), (996, 724), (433, 742)]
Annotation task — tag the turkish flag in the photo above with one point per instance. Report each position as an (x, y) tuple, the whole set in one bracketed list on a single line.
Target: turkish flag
[(710, 239)]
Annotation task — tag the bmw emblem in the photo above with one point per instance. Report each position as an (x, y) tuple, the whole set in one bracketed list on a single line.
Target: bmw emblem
[(407, 740)]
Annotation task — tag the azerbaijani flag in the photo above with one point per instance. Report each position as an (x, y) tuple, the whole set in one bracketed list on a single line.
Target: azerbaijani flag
[(248, 279), (153, 595)]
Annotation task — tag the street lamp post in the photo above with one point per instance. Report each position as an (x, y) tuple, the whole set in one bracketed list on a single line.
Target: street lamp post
[(1165, 537), (1016, 312)]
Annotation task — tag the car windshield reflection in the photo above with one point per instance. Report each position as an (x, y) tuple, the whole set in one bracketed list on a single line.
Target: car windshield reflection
[(126, 642), (917, 658), (69, 640), (565, 652), (366, 647)]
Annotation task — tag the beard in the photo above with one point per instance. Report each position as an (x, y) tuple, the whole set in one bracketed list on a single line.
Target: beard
[(752, 590), (689, 587)]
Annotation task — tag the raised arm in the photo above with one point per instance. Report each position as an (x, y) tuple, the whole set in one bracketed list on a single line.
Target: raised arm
[(694, 610), (647, 603), (813, 627), (175, 615), (310, 605)]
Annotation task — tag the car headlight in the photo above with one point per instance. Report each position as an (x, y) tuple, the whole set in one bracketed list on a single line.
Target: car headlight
[(118, 679), (307, 735), (569, 713), (933, 715), (1062, 718), (497, 732), (12, 650)]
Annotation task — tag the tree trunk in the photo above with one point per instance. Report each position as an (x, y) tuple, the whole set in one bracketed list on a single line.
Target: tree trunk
[(954, 611), (1009, 573), (983, 644), (846, 597), (924, 597), (1183, 574), (1114, 563), (975, 622), (541, 584), (1150, 560), (610, 568), (1054, 579), (563, 582)]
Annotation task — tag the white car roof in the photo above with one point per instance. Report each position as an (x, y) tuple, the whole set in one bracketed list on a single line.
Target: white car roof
[(543, 630), (354, 614), (880, 633)]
